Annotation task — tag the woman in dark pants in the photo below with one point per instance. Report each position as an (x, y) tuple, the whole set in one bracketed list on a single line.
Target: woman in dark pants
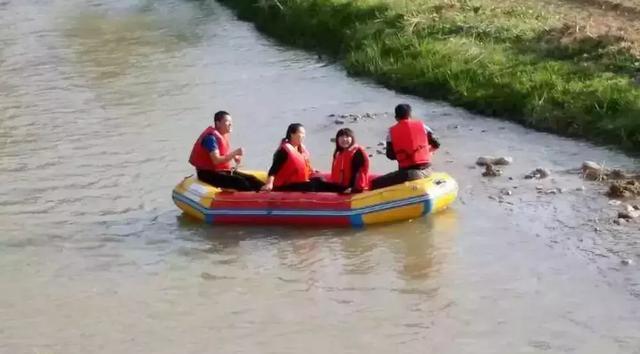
[(291, 169)]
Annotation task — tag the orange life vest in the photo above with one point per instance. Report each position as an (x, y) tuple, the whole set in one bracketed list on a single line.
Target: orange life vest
[(341, 168), (200, 157), (410, 143), (296, 168)]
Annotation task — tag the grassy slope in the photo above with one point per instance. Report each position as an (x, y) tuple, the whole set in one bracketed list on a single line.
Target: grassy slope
[(508, 59)]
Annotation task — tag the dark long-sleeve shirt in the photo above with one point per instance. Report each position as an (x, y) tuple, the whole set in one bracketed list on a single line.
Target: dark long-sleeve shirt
[(279, 159), (357, 163)]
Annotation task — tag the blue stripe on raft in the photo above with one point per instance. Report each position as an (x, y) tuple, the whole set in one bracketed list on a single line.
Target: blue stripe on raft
[(427, 206), (180, 198), (356, 220), (355, 213)]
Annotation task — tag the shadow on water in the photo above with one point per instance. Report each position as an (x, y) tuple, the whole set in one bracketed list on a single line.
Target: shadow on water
[(237, 233)]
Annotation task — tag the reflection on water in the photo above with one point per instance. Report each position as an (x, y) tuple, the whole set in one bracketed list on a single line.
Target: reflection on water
[(416, 249), (390, 257)]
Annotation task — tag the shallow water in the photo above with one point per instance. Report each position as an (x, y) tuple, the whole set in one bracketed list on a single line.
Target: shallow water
[(99, 105)]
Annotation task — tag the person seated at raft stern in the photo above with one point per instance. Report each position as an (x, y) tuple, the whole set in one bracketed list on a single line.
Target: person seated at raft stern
[(411, 143), (350, 166), (291, 169), (212, 155)]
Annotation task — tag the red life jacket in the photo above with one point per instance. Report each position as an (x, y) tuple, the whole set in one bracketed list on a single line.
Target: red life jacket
[(410, 143), (200, 157), (341, 172), (296, 168)]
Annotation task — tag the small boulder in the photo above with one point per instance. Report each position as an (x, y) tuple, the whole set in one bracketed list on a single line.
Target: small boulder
[(503, 161), (382, 143), (617, 174), (491, 171), (538, 173), (627, 262), (617, 190), (590, 165), (628, 215), (484, 160), (496, 161), (338, 122), (379, 152), (333, 140), (592, 171), (542, 173)]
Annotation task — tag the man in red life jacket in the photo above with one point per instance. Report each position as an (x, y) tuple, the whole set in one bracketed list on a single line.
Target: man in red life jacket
[(212, 155), (411, 143)]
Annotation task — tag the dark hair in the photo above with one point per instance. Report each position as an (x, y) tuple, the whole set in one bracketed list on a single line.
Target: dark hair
[(292, 129), (219, 116), (343, 132), (403, 111)]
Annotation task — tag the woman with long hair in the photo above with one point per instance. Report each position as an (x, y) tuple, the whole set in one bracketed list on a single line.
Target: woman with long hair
[(291, 168)]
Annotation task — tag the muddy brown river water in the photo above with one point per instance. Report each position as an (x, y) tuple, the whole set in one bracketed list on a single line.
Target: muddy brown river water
[(100, 102)]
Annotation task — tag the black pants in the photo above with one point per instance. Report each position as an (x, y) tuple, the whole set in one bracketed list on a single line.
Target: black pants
[(399, 176), (225, 179), (314, 185)]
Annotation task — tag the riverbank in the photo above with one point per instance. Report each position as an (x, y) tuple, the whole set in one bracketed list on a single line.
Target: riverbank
[(549, 66)]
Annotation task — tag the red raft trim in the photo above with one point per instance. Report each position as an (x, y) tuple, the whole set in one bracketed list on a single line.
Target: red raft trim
[(281, 201), (283, 220)]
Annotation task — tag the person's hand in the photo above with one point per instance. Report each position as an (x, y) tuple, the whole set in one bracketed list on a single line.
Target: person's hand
[(347, 191), (237, 159), (237, 152), (267, 187)]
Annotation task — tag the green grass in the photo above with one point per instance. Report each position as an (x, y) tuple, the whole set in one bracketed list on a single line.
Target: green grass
[(506, 59)]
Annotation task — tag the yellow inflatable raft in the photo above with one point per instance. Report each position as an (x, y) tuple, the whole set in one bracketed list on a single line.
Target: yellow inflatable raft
[(400, 202)]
